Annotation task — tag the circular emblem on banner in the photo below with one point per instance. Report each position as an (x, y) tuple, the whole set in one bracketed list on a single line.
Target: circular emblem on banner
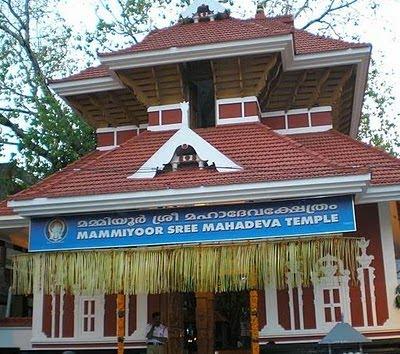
[(56, 230)]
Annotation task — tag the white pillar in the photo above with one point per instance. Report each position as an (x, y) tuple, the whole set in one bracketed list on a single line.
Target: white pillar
[(37, 316), (389, 262), (271, 306), (141, 317)]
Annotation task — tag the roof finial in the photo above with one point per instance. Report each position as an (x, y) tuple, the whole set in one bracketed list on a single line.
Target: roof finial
[(260, 14), (185, 114), (203, 10)]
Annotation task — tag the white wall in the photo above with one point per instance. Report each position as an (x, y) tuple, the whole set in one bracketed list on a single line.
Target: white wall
[(16, 338)]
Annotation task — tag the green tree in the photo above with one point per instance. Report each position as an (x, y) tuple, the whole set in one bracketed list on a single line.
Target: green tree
[(378, 104), (35, 45)]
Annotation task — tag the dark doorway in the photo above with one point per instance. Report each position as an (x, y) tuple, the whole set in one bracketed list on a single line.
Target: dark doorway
[(201, 93), (189, 323), (232, 321)]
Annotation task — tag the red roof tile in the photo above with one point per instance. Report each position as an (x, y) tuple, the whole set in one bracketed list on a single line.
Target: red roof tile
[(263, 154), (191, 34), (4, 209), (227, 30), (308, 43), (346, 151), (89, 73)]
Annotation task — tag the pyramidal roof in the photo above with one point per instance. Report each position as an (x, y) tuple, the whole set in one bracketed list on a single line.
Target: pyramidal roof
[(344, 333)]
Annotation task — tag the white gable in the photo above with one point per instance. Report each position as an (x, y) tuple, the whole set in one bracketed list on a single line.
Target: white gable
[(185, 136)]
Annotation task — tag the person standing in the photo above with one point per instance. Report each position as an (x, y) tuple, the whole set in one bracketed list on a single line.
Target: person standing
[(156, 335)]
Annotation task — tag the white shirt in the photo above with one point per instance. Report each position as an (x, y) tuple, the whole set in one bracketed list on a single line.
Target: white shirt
[(159, 331)]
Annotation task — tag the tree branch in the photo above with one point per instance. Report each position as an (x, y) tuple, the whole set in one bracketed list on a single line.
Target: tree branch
[(4, 121), (328, 11), (17, 110)]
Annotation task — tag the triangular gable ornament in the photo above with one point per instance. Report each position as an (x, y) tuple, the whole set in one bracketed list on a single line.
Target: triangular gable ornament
[(185, 136)]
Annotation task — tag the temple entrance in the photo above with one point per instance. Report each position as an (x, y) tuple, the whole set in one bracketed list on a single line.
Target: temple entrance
[(232, 322), (216, 323)]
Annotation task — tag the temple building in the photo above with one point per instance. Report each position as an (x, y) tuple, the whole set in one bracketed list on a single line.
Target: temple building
[(228, 191)]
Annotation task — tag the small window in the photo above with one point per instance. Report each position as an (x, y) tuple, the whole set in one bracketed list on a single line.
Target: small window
[(89, 308), (90, 316), (332, 305)]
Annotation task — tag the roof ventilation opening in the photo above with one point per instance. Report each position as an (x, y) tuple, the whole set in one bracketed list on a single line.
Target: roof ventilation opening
[(186, 156)]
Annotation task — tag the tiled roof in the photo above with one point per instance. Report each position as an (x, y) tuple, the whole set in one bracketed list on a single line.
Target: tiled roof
[(346, 151), (263, 154), (89, 73), (4, 210), (191, 34), (231, 29), (308, 43)]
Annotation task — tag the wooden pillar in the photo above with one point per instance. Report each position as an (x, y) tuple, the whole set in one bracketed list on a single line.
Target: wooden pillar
[(175, 323), (121, 323), (205, 322), (255, 345)]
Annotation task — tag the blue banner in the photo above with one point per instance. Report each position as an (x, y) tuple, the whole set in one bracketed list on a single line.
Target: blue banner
[(193, 225)]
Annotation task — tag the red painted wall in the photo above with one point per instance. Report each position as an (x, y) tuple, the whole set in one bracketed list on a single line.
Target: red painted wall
[(298, 120), (46, 319), (274, 122), (132, 315), (153, 305), (110, 315), (153, 118), (171, 116), (321, 118), (125, 135), (105, 139), (283, 309), (309, 308), (367, 219), (251, 109), (69, 314), (231, 110)]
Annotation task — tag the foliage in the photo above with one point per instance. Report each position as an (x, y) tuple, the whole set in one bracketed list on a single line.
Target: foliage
[(377, 106), (48, 134)]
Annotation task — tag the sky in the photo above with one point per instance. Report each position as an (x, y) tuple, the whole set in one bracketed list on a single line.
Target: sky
[(381, 30)]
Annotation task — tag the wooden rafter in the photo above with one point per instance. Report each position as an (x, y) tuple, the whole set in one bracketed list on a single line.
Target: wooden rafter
[(342, 83), (128, 114), (240, 75), (179, 71), (214, 78), (95, 101), (296, 89), (153, 72), (142, 97), (261, 83), (273, 85), (81, 110), (319, 87)]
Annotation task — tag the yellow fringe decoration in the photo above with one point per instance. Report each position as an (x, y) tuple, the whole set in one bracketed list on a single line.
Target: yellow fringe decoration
[(199, 268)]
